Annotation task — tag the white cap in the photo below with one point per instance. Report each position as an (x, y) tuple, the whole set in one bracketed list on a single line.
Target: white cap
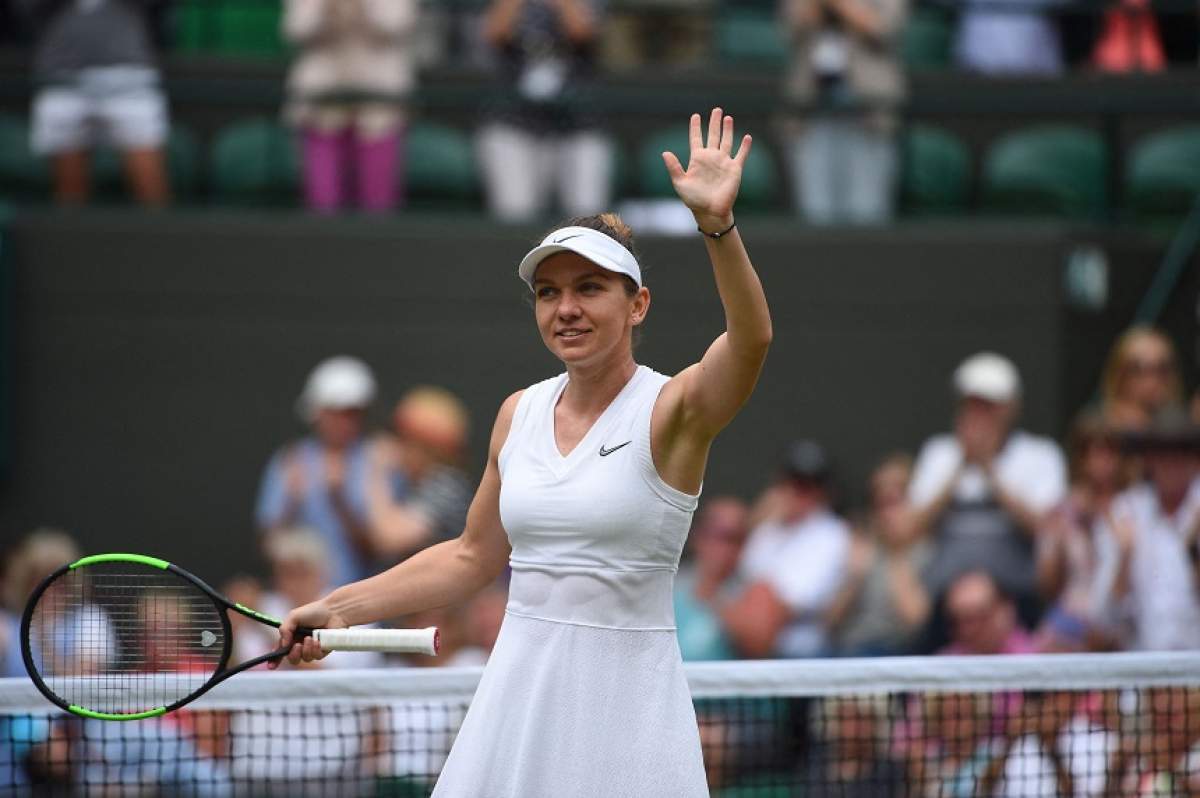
[(988, 376), (600, 249), (337, 383)]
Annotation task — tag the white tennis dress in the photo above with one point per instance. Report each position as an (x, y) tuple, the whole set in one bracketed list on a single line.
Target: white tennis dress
[(584, 695)]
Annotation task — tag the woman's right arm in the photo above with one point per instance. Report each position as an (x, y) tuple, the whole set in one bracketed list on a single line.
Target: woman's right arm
[(443, 574)]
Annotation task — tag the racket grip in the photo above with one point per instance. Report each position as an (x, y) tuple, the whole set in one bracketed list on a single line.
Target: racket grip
[(397, 641)]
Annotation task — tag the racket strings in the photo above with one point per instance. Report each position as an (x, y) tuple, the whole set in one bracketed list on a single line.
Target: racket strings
[(123, 638)]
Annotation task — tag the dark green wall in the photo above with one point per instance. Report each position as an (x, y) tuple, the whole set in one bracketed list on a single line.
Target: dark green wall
[(157, 357)]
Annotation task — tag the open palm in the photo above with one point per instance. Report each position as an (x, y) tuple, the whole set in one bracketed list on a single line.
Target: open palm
[(710, 183)]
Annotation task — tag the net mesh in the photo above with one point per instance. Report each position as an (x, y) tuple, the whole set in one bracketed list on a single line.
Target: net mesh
[(123, 637), (1078, 725)]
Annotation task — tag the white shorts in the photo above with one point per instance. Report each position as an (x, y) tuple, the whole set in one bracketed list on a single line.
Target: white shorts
[(118, 106)]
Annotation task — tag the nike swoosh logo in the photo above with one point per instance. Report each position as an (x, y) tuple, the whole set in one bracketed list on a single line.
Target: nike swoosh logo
[(568, 238), (606, 452)]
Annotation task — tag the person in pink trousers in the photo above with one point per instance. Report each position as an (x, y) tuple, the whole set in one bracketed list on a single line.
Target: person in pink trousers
[(346, 95)]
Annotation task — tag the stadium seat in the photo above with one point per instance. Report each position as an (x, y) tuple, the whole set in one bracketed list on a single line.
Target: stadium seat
[(750, 36), (1163, 174), (935, 176), (925, 43), (1050, 169), (23, 175), (251, 29), (760, 179), (440, 166), (230, 27), (255, 162), (194, 26)]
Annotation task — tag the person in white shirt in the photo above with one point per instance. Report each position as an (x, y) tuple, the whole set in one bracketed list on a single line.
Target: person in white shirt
[(793, 565), (981, 491), (1053, 747), (1148, 551)]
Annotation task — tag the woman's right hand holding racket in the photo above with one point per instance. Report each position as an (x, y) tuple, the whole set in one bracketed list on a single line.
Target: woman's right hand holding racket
[(316, 615)]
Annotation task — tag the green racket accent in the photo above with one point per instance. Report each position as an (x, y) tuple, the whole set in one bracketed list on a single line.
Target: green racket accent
[(87, 713), (262, 616), (153, 562)]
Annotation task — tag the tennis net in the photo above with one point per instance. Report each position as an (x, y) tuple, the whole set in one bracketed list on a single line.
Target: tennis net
[(1083, 725)]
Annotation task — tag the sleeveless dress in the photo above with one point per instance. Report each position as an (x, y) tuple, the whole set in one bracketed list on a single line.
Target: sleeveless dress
[(584, 695)]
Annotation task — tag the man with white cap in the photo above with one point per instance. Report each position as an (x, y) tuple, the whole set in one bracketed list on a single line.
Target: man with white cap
[(982, 490), (321, 481)]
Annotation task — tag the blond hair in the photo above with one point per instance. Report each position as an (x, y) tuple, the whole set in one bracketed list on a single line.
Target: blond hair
[(38, 555), (435, 417), (1117, 365)]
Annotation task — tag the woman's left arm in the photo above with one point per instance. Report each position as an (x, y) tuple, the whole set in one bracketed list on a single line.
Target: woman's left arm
[(709, 394)]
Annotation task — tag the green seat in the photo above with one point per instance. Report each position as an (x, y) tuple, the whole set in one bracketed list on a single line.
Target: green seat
[(1163, 174), (194, 25), (1051, 169), (250, 28), (751, 37), (925, 43), (23, 175), (230, 27), (440, 166), (254, 162), (760, 178), (935, 175)]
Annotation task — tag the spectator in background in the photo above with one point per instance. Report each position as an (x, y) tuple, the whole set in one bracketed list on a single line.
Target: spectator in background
[(485, 613), (1009, 37), (543, 139), (982, 619), (299, 560), (97, 85), (846, 69), (882, 607), (793, 564), (1141, 377), (1051, 748), (1129, 40), (1148, 551), (347, 93), (419, 493), (38, 555), (1163, 760), (1066, 544), (948, 748), (850, 758), (983, 491), (321, 481), (250, 638), (709, 577)]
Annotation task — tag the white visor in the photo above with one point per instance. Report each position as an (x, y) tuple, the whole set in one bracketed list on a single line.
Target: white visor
[(591, 244)]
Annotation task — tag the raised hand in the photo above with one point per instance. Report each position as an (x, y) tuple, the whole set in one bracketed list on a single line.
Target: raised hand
[(710, 183)]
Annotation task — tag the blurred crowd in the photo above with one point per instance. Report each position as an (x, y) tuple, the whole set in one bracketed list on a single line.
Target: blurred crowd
[(991, 540), (542, 144)]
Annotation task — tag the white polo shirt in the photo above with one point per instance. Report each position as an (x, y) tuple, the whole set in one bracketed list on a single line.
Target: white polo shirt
[(804, 563), (1162, 603), (1030, 467)]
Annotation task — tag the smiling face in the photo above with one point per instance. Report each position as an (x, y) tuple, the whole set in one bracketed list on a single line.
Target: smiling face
[(585, 313)]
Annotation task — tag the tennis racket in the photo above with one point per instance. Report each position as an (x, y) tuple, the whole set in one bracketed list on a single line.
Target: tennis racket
[(125, 636)]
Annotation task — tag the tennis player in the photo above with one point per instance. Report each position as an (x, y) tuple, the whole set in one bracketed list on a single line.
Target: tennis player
[(590, 484)]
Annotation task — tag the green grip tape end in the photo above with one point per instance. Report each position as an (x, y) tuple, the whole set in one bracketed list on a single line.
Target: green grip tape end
[(153, 562), (88, 713)]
